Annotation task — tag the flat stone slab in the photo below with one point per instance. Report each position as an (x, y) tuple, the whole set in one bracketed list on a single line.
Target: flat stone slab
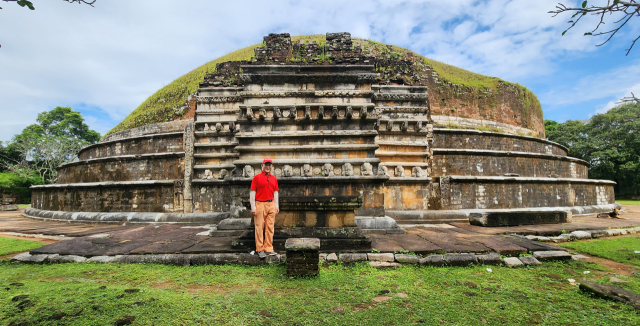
[(211, 245), (581, 235), (414, 243), (490, 259), (460, 259), (500, 246), (350, 258), (383, 264), (407, 259), (383, 244), (448, 242), (530, 245), (432, 260), (512, 262), (612, 292), (516, 218), (530, 261), (386, 257), (551, 255), (302, 244), (254, 260), (214, 259), (234, 224)]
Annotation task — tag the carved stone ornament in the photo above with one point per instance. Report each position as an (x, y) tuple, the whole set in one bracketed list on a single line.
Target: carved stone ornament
[(419, 126), (376, 125), (219, 126), (307, 170), (327, 170), (347, 170), (276, 113), (307, 112), (207, 175), (287, 171), (405, 126), (399, 172), (262, 113), (367, 169), (416, 172), (363, 112), (382, 170), (206, 127), (349, 112), (389, 125), (293, 112), (223, 174), (232, 126), (249, 113), (334, 112), (320, 112), (247, 172)]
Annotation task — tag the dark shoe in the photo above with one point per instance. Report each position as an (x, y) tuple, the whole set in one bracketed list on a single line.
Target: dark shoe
[(262, 254), (271, 253)]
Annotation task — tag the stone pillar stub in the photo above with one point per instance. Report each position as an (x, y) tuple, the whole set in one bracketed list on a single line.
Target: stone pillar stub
[(187, 143)]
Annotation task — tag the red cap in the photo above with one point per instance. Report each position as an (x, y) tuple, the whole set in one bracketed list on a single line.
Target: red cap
[(267, 160)]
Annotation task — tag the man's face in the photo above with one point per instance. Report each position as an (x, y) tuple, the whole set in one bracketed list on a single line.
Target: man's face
[(266, 167)]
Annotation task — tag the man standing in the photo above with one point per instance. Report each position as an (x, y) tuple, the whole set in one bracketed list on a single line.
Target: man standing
[(264, 207)]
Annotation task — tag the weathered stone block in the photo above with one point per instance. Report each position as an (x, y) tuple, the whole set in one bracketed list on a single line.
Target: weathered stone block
[(460, 259), (551, 255), (302, 244), (350, 258), (214, 259), (234, 224), (432, 260), (383, 264), (332, 258), (512, 262), (67, 259), (100, 259), (407, 259), (490, 259), (387, 257), (254, 260), (530, 261), (581, 235), (516, 218)]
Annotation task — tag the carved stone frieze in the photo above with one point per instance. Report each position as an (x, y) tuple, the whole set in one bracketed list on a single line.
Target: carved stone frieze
[(400, 97), (219, 99)]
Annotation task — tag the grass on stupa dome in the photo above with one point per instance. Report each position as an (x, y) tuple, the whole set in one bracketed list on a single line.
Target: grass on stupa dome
[(160, 107)]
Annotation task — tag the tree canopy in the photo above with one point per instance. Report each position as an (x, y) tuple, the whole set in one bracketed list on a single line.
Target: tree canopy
[(56, 139), (610, 142)]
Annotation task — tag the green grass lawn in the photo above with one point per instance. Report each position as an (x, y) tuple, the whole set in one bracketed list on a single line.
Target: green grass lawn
[(620, 249), (9, 246), (628, 202), (24, 205), (92, 294)]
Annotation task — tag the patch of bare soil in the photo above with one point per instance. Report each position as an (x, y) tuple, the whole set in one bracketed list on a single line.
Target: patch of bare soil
[(11, 255), (618, 268), (41, 240)]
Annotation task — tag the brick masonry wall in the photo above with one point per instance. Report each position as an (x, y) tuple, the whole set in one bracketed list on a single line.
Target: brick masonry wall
[(493, 165), (461, 139), (130, 169), (134, 146), (496, 195), (105, 199)]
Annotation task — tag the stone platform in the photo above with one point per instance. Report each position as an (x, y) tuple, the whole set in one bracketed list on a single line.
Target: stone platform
[(90, 240)]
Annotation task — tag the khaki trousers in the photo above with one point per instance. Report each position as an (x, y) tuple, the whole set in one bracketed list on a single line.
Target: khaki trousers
[(264, 220)]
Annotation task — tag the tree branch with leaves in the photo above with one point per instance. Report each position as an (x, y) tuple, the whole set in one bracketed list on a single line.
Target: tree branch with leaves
[(29, 4), (624, 9)]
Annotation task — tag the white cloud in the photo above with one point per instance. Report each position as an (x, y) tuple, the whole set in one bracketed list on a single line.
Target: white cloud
[(117, 54)]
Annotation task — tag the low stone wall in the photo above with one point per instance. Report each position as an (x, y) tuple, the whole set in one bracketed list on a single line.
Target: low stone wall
[(167, 166), (125, 217), (459, 192), (140, 196), (488, 140), (157, 128), (145, 144), (457, 122), (499, 163)]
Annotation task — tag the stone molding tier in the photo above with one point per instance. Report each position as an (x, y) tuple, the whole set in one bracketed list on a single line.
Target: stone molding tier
[(468, 123), (500, 134), (122, 158), (528, 180), (127, 139), (157, 128), (126, 217), (108, 184), (484, 152)]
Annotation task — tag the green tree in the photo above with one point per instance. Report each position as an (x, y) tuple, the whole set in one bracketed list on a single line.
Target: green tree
[(56, 139), (610, 142), (550, 126)]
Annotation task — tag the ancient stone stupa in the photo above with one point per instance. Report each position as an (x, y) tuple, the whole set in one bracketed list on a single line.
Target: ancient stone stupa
[(361, 133)]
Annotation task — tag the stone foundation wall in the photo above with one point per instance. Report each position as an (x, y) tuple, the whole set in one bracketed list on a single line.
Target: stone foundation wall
[(157, 128), (502, 163), (486, 140), (146, 144), (402, 195), (487, 193), (127, 168), (108, 198)]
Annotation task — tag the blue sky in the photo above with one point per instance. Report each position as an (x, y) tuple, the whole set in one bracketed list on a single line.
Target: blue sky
[(105, 61)]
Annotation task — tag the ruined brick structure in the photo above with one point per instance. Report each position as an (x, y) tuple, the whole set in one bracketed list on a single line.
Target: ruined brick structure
[(333, 129)]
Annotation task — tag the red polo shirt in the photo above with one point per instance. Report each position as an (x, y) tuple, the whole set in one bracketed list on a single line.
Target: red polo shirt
[(264, 186)]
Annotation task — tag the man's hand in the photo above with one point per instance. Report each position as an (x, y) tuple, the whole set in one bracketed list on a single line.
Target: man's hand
[(277, 210), (253, 212)]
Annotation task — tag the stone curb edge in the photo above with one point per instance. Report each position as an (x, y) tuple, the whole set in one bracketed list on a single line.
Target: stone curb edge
[(585, 234)]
